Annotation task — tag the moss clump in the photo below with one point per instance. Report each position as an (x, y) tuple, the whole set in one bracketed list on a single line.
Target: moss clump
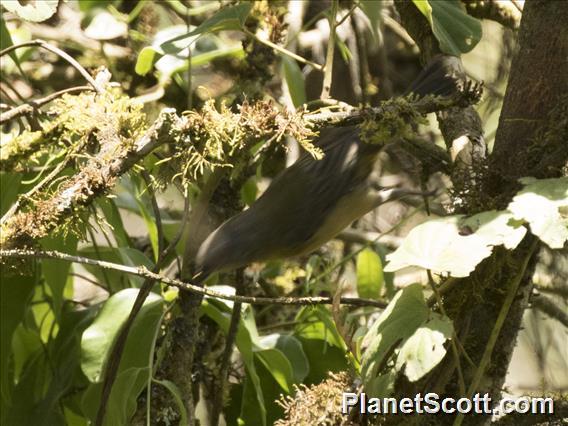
[(317, 404)]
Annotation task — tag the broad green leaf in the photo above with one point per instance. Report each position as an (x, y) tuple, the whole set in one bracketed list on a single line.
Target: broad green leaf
[(97, 340), (439, 246), (9, 188), (15, 292), (292, 349), (228, 18), (544, 205), (25, 344), (36, 11), (400, 320), (64, 375), (455, 30), (316, 323), (122, 401), (294, 81), (381, 386), (424, 350), (322, 358), (369, 274), (133, 371), (278, 366), (56, 272)]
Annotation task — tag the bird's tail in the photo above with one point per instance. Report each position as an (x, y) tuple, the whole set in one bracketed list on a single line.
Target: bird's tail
[(441, 77)]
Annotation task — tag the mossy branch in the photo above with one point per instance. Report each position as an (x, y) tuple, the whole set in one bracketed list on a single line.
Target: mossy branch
[(95, 178)]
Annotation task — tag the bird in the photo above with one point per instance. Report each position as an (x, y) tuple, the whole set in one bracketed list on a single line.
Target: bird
[(313, 200)]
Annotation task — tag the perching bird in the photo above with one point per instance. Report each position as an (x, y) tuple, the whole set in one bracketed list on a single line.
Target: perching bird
[(313, 200)]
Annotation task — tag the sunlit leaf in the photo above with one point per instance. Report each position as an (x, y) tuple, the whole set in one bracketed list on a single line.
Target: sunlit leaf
[(369, 274), (99, 337), (439, 246), (456, 31), (544, 205), (146, 60), (496, 228), (228, 18), (400, 320), (292, 349), (424, 350), (105, 26), (36, 11)]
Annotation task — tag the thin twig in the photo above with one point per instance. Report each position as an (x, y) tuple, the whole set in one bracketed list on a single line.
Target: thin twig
[(283, 50), (141, 271), (61, 54), (547, 306), (219, 399), (328, 70)]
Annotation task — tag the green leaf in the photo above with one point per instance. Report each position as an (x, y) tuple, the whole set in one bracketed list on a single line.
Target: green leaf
[(150, 222), (228, 18), (122, 401), (56, 272), (97, 340), (400, 320), (316, 323), (455, 30), (133, 371), (292, 349), (146, 60), (381, 386), (36, 11), (249, 191), (113, 218), (278, 366), (15, 292), (369, 274), (439, 246), (544, 205), (294, 81), (9, 188), (6, 41), (425, 8), (424, 350)]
